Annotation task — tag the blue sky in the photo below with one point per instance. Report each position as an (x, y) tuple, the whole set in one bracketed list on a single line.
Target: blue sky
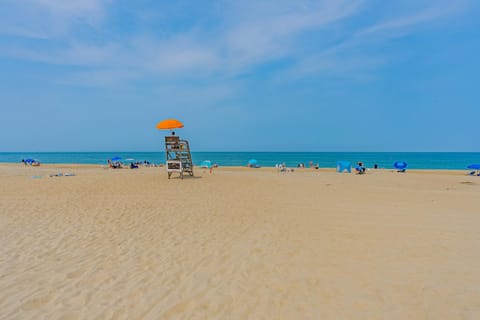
[(332, 75)]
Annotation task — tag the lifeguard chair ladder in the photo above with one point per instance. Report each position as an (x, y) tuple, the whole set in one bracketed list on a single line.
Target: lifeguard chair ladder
[(179, 159)]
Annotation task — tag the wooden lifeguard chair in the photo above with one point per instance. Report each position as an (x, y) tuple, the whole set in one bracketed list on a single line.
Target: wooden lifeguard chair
[(179, 159)]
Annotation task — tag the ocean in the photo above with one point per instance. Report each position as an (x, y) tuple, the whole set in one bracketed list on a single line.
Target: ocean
[(415, 160)]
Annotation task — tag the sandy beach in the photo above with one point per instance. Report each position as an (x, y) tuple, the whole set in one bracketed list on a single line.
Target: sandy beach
[(238, 244)]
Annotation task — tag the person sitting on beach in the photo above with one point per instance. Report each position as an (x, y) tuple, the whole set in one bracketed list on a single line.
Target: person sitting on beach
[(360, 168), (133, 166)]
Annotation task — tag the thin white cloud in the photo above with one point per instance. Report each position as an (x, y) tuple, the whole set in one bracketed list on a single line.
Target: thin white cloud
[(246, 35), (268, 31), (99, 77), (49, 18), (175, 55), (432, 12), (70, 8), (350, 58), (251, 38), (75, 54)]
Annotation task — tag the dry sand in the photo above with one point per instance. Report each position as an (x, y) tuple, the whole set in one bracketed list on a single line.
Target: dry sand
[(238, 244)]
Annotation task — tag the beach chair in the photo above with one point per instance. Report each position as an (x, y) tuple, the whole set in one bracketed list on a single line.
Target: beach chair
[(471, 173)]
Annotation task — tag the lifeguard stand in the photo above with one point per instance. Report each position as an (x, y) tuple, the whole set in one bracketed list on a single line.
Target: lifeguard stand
[(178, 156)]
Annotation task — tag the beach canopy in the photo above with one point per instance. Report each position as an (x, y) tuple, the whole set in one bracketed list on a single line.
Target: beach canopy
[(400, 165), (344, 166), (474, 166), (29, 160), (116, 158), (169, 124), (206, 164), (252, 162)]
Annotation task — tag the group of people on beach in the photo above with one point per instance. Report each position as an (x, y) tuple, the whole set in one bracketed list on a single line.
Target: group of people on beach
[(132, 165), (283, 167), (114, 164), (31, 162), (361, 168)]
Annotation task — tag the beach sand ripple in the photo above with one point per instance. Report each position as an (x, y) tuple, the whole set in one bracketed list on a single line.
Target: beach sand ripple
[(238, 244)]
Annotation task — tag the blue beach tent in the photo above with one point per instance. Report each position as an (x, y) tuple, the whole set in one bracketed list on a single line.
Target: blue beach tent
[(344, 166), (205, 164), (252, 163)]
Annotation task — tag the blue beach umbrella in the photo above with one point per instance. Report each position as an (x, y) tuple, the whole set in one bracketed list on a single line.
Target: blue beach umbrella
[(29, 160), (116, 158), (475, 167), (400, 165)]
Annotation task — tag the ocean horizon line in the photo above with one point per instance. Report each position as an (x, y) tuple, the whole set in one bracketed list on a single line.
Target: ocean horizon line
[(242, 151)]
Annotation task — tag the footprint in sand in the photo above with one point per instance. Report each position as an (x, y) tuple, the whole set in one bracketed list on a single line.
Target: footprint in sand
[(37, 302), (70, 316), (75, 274)]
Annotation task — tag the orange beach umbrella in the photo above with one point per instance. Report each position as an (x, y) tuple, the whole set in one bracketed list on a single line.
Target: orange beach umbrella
[(169, 124)]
